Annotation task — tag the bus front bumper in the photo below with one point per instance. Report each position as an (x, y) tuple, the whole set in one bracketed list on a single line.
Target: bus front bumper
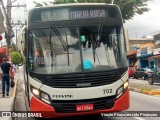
[(48, 111)]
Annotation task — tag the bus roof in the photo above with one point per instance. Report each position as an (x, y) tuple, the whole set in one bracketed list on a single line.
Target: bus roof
[(109, 13), (76, 4)]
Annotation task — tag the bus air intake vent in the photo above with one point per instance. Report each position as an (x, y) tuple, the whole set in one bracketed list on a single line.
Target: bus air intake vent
[(81, 80), (68, 106)]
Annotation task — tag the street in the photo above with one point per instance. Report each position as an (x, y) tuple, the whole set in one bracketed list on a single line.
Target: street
[(142, 102), (138, 102)]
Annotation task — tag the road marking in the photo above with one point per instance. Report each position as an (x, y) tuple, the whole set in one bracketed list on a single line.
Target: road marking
[(15, 87)]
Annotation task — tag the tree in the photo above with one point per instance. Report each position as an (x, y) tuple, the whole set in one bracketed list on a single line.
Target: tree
[(129, 8), (16, 57), (13, 47)]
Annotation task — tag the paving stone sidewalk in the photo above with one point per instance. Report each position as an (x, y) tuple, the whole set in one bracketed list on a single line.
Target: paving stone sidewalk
[(7, 102), (142, 86)]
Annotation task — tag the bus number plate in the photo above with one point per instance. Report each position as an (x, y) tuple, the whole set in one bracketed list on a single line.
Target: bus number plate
[(84, 107)]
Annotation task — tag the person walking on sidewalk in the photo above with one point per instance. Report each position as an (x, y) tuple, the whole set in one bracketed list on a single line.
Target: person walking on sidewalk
[(6, 71), (13, 68)]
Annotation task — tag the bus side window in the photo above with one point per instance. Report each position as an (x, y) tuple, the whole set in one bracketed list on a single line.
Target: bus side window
[(25, 43), (107, 40)]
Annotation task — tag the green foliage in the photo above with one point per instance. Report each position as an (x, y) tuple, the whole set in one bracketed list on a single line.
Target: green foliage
[(37, 4), (13, 48), (16, 57), (129, 8)]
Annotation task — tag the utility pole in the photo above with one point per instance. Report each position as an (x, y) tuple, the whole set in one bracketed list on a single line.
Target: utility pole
[(8, 39), (7, 26), (7, 14)]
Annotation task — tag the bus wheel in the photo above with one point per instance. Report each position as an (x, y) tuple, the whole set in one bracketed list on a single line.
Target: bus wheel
[(150, 81)]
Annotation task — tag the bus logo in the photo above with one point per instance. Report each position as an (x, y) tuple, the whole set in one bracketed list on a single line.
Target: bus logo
[(83, 84)]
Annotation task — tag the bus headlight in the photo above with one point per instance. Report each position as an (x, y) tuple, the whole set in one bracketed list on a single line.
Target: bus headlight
[(35, 92), (45, 98), (119, 92), (122, 89), (40, 95), (125, 85)]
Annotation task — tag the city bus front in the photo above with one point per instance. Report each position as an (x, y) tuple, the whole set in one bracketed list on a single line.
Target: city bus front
[(77, 67)]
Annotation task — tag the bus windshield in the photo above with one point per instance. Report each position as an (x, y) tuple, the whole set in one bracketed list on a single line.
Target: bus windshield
[(59, 50)]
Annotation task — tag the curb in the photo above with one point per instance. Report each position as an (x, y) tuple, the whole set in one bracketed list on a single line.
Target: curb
[(148, 92), (151, 92), (15, 88), (13, 96)]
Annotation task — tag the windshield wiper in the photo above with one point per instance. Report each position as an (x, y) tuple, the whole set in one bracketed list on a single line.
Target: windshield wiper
[(54, 27), (94, 52), (100, 28)]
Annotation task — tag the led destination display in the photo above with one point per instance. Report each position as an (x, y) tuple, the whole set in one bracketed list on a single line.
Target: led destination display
[(56, 14)]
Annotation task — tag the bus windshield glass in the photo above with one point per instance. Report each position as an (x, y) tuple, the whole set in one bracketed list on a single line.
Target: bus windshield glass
[(61, 50)]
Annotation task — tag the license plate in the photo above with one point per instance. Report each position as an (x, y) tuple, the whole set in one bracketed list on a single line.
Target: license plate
[(84, 107)]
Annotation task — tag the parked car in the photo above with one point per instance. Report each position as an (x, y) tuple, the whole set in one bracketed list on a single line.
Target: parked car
[(154, 78), (131, 71), (20, 64), (142, 73)]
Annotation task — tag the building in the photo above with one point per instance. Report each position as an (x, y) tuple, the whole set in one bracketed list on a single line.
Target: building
[(155, 59), (144, 52), (139, 51)]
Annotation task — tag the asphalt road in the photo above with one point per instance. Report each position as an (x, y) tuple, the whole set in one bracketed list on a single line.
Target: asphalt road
[(142, 102), (140, 105)]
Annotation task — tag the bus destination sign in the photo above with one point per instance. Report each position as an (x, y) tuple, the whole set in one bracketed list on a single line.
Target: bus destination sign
[(85, 14), (70, 14)]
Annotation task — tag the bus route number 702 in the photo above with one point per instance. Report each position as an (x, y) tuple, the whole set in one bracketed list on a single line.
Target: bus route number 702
[(106, 91)]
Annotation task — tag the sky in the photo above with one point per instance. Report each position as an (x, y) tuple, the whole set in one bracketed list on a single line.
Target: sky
[(141, 25), (146, 24)]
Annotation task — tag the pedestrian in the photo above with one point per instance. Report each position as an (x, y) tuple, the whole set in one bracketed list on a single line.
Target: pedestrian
[(13, 68), (6, 72)]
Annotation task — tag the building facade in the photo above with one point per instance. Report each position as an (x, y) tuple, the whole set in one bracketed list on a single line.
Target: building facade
[(139, 52), (154, 60)]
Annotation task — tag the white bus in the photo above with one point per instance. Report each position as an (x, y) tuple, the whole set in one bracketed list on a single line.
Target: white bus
[(75, 60)]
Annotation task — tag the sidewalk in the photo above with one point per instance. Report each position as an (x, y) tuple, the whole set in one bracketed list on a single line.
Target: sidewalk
[(142, 86), (7, 102)]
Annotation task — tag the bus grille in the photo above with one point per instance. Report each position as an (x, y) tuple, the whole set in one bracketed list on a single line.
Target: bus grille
[(82, 80), (67, 106)]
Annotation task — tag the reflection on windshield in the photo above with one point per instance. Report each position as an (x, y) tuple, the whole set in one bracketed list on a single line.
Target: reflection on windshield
[(48, 56)]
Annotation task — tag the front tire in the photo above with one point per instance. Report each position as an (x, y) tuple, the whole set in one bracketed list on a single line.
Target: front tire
[(150, 81), (145, 77), (133, 76)]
